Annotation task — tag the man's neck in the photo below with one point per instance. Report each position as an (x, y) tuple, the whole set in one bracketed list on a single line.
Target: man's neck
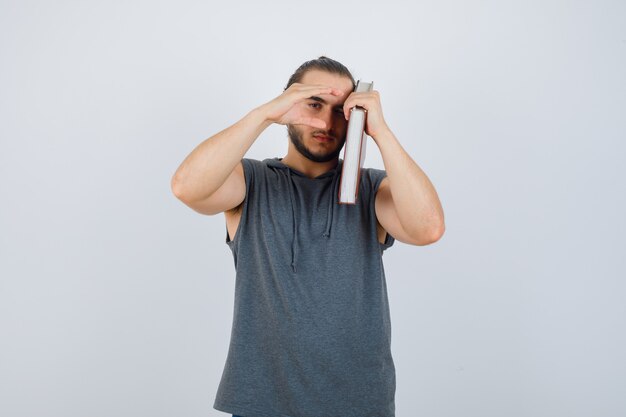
[(309, 168)]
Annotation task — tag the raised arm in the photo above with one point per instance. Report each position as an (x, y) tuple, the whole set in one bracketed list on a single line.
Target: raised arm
[(210, 180)]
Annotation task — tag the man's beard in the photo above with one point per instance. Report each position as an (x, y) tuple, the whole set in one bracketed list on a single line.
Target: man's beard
[(296, 138)]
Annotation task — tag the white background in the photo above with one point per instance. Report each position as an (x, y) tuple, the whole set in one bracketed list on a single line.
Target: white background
[(116, 299)]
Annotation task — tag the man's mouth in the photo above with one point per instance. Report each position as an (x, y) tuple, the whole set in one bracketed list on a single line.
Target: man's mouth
[(322, 138)]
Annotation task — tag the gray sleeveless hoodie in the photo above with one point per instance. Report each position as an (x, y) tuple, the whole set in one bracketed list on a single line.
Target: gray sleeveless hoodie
[(311, 332)]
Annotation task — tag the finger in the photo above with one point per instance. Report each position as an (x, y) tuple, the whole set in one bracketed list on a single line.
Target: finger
[(337, 92), (348, 106), (358, 100), (310, 90), (318, 86), (310, 121)]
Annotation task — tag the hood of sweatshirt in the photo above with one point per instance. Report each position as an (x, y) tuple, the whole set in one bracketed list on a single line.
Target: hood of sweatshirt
[(334, 173)]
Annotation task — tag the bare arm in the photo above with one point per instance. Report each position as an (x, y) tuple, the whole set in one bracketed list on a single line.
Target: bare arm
[(212, 163), (210, 180), (407, 205)]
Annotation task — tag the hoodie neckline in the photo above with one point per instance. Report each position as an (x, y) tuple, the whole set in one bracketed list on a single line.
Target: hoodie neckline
[(276, 162)]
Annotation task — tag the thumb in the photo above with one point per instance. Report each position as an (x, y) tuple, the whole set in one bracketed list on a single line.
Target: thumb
[(310, 121)]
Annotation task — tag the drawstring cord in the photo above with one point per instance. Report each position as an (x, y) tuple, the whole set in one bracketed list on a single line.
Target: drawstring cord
[(331, 201), (329, 213), (294, 246)]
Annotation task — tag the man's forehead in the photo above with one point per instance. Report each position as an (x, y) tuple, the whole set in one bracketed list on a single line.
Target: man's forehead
[(338, 81)]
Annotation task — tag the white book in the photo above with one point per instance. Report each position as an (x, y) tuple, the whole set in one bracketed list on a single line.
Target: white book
[(354, 150)]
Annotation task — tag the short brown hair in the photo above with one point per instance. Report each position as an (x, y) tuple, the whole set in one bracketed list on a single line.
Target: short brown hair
[(322, 63)]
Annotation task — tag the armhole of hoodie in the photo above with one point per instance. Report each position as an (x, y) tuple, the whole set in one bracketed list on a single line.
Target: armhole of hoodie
[(248, 176), (377, 176)]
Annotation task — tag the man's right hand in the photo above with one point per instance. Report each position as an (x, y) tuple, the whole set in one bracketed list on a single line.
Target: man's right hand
[(211, 179), (286, 109)]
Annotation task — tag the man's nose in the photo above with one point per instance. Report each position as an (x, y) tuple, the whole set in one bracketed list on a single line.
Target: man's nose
[(328, 117)]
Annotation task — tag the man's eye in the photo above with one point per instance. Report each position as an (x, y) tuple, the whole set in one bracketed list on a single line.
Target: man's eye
[(314, 105)]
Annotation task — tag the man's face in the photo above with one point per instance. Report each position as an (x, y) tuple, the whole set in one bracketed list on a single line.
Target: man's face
[(322, 145)]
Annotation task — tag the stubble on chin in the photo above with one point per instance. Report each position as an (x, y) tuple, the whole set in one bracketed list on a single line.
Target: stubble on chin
[(296, 137)]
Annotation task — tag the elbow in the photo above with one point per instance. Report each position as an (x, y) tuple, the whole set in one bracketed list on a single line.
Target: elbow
[(437, 232), (175, 186), (437, 227), (432, 234), (424, 236)]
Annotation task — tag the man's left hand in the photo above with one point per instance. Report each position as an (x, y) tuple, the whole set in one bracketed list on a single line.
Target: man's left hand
[(374, 122)]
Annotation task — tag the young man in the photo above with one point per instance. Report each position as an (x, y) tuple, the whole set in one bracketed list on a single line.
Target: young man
[(311, 333)]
